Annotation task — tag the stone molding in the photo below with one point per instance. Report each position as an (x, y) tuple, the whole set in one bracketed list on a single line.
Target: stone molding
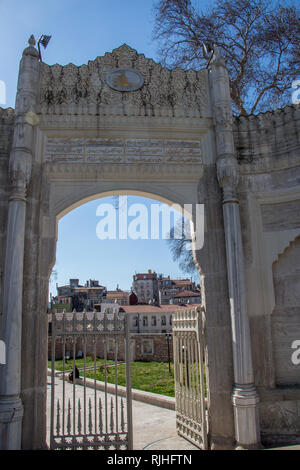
[(122, 150), (65, 121), (140, 171)]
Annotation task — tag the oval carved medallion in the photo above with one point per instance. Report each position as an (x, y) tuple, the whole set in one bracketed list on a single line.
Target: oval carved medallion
[(124, 79)]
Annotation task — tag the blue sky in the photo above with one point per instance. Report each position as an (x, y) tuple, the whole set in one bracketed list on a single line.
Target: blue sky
[(82, 30), (80, 253)]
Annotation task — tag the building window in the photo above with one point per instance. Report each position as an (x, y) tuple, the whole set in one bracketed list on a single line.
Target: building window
[(147, 347), (153, 321), (145, 321), (135, 321), (163, 320), (170, 319)]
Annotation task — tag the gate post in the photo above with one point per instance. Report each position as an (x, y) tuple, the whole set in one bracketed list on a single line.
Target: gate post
[(128, 383), (244, 397), (20, 163)]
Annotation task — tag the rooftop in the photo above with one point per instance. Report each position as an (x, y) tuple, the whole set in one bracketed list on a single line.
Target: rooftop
[(142, 276), (188, 293), (153, 308)]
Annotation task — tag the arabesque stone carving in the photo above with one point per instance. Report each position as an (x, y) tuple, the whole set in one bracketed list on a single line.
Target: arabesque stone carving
[(84, 89)]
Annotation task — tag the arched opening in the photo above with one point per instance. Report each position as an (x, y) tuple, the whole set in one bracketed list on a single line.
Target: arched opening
[(285, 316), (92, 245)]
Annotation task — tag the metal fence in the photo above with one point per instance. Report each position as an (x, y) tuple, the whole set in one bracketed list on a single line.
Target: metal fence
[(188, 344), (82, 417)]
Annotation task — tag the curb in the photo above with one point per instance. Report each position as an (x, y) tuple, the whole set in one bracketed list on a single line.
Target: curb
[(146, 397)]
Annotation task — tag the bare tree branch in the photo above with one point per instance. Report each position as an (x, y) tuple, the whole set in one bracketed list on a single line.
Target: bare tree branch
[(258, 38)]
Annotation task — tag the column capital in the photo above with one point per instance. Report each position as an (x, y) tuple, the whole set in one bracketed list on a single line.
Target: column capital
[(20, 173), (228, 177)]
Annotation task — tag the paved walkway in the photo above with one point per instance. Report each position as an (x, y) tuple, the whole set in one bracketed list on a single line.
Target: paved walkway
[(154, 427)]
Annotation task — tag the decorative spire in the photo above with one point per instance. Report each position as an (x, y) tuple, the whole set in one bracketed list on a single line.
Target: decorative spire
[(32, 41), (31, 50), (217, 58)]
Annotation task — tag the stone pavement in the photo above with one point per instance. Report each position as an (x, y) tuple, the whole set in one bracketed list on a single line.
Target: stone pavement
[(154, 427)]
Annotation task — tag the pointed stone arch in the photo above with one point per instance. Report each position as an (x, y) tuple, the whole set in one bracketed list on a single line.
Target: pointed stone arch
[(286, 314)]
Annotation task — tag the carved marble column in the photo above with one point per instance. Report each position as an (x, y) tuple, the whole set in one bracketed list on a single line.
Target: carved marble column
[(244, 398), (20, 163)]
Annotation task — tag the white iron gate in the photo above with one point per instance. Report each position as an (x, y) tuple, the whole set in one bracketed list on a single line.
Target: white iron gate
[(188, 344), (82, 417)]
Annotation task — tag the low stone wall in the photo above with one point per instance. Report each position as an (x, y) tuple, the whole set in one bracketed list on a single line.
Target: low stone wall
[(155, 399), (144, 347)]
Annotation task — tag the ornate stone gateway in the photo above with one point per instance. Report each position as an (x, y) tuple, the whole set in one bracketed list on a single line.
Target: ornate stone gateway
[(79, 419), (188, 344), (123, 124)]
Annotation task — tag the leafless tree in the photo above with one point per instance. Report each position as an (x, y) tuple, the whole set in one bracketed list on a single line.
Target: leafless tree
[(179, 241), (259, 40)]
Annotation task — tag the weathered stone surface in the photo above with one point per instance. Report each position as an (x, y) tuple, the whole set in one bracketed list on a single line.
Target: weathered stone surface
[(282, 216), (286, 315), (166, 139), (268, 149), (7, 117), (84, 90)]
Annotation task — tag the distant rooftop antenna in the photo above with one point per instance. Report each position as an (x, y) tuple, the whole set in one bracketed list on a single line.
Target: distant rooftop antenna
[(44, 40)]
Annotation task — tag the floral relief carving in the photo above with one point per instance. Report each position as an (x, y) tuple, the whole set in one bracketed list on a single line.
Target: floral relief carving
[(166, 93)]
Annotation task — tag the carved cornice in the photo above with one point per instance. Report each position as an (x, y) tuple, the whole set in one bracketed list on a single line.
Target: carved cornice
[(103, 123), (124, 172), (83, 90)]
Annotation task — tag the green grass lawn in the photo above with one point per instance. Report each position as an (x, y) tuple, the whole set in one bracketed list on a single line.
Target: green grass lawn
[(147, 376)]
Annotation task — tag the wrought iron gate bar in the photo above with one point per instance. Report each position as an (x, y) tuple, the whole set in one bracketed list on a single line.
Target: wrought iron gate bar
[(188, 342), (89, 422)]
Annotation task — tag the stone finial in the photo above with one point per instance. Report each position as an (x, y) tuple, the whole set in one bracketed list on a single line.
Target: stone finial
[(31, 50), (32, 41), (207, 50), (217, 58)]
